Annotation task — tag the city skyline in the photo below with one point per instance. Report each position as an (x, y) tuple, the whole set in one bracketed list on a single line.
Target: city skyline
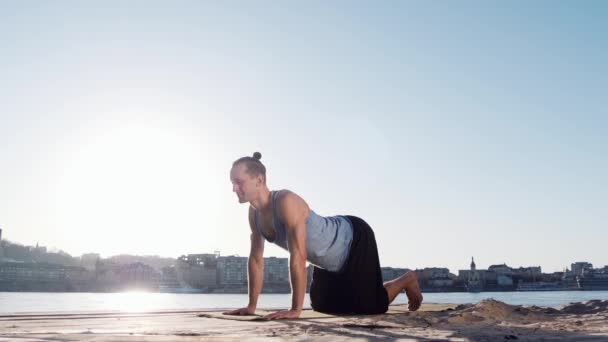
[(218, 253), (453, 129), (33, 269)]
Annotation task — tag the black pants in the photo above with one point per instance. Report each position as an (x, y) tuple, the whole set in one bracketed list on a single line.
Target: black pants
[(357, 288)]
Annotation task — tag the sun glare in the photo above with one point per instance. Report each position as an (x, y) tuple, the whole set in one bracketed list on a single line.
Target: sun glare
[(134, 301), (132, 183)]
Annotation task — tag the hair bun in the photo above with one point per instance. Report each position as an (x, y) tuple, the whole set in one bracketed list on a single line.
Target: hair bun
[(257, 155)]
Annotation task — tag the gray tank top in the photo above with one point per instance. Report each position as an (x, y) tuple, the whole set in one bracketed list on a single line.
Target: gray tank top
[(328, 239)]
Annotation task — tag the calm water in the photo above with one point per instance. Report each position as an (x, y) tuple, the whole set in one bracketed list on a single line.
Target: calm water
[(20, 302)]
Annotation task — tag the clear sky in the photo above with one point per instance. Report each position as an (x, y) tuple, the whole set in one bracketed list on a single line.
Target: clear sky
[(456, 129)]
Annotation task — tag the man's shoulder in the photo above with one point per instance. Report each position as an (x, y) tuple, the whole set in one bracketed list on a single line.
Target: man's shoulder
[(287, 197), (289, 203)]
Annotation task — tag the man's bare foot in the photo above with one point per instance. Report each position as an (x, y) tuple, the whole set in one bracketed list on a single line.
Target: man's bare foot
[(412, 290), (408, 282)]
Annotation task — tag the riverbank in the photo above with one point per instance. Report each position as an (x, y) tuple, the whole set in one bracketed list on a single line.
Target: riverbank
[(24, 302), (488, 320)]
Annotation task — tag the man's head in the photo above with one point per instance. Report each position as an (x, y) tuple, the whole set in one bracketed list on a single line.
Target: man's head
[(248, 176)]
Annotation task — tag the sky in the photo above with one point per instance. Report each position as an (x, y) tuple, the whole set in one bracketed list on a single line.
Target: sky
[(455, 129)]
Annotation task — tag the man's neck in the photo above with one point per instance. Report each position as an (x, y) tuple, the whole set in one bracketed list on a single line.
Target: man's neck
[(262, 202)]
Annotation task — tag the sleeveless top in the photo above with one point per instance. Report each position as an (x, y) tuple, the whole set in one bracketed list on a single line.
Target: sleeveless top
[(328, 239)]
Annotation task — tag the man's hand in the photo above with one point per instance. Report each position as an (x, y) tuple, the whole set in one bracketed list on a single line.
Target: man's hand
[(241, 312), (284, 314)]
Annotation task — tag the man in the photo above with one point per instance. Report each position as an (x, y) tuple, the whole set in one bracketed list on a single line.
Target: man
[(346, 279)]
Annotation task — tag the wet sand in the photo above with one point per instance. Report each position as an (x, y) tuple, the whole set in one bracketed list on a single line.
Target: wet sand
[(487, 321)]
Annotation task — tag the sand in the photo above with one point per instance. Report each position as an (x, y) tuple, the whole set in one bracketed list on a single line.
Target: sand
[(489, 320)]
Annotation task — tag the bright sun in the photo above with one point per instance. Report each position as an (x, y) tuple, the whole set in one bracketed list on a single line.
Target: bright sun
[(133, 183)]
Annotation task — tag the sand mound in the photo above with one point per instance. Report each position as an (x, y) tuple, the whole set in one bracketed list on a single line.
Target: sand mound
[(487, 310), (588, 307), (540, 309), (490, 310)]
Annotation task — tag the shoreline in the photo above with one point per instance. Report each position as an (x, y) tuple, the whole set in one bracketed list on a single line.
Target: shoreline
[(486, 321), (15, 303), (426, 291)]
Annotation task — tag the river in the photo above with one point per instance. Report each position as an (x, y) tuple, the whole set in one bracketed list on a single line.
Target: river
[(22, 302)]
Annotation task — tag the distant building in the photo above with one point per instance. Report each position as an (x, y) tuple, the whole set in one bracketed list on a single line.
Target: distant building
[(593, 279), (214, 273), (580, 268), (111, 276), (79, 279), (137, 276), (232, 271), (502, 269), (474, 280), (390, 273), (435, 279), (198, 271), (205, 259), (105, 278), (89, 260), (528, 271), (31, 271), (32, 276), (276, 275), (276, 270), (504, 280), (500, 277), (433, 273), (169, 279), (528, 274), (198, 276)]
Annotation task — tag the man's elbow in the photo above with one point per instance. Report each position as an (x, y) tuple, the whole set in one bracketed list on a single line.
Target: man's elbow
[(297, 261), (256, 261)]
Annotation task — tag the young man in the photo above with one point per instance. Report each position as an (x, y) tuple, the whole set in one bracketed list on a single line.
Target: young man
[(346, 279)]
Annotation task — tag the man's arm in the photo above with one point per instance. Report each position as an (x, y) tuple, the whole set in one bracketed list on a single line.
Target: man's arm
[(255, 264), (294, 211), (255, 270)]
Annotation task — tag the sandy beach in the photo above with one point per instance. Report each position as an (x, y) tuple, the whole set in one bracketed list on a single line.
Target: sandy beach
[(489, 320)]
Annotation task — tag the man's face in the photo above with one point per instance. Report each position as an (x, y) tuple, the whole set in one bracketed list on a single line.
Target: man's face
[(243, 184)]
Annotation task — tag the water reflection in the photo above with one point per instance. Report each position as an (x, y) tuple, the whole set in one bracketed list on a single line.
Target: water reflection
[(137, 301), (141, 301)]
